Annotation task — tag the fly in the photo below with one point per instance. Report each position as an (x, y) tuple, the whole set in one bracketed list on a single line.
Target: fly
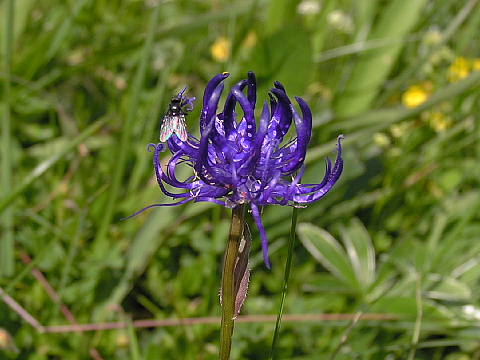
[(174, 120)]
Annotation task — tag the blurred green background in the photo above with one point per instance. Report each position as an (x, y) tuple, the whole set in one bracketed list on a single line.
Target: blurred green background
[(84, 86)]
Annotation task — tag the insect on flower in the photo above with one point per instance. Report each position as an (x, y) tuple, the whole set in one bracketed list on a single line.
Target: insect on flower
[(174, 120), (238, 160)]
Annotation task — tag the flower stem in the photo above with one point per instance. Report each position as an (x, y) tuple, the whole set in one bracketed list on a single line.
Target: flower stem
[(7, 260), (286, 277), (228, 291)]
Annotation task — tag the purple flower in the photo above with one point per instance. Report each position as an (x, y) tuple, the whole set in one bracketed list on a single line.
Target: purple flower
[(239, 161)]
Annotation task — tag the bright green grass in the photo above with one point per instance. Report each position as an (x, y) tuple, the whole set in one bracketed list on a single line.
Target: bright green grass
[(83, 94)]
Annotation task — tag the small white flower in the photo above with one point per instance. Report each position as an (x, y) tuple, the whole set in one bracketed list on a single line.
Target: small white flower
[(340, 21), (471, 312), (307, 7)]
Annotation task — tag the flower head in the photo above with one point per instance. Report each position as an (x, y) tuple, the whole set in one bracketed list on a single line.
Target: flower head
[(237, 161)]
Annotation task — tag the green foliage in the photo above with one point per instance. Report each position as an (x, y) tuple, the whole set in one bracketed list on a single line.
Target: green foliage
[(83, 95)]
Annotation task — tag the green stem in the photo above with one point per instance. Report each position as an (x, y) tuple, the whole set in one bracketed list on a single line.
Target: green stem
[(228, 291), (7, 242), (288, 266), (418, 320), (346, 333)]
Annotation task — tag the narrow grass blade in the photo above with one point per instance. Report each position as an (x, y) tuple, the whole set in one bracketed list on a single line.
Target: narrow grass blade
[(40, 169), (64, 31), (134, 346), (374, 66), (469, 31), (363, 46), (126, 135), (6, 242), (286, 277), (418, 319), (321, 28), (364, 16)]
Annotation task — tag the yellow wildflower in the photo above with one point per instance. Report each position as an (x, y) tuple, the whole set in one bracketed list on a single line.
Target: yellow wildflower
[(459, 69), (414, 96), (439, 121), (220, 49)]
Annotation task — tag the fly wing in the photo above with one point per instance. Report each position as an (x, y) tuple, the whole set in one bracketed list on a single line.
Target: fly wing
[(180, 127), (167, 128)]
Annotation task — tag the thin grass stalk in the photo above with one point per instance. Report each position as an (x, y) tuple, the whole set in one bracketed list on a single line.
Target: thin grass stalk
[(365, 11), (346, 334), (362, 46), (321, 29), (7, 241), (286, 277), (228, 291), (121, 151), (468, 32), (134, 348), (418, 319)]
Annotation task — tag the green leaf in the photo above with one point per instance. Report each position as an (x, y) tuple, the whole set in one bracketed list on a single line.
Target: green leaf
[(448, 289), (360, 250), (328, 252)]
